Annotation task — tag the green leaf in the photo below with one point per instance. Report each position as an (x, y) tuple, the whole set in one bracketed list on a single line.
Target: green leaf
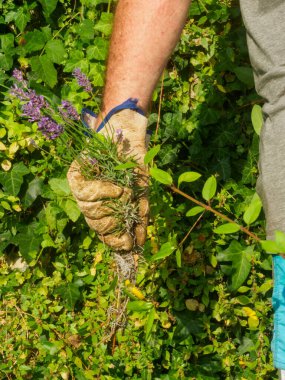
[(22, 17), (35, 41), (227, 228), (98, 50), (44, 69), (270, 246), (13, 179), (240, 258), (48, 346), (253, 210), (151, 154), (96, 73), (245, 75), (7, 42), (149, 323), (60, 186), (209, 189), (55, 51), (48, 6), (70, 293), (105, 24), (139, 306), (28, 241), (86, 30), (33, 191), (242, 269), (195, 211), (161, 176), (165, 250), (280, 241), (178, 258), (188, 177), (257, 118), (71, 209), (6, 61), (126, 165)]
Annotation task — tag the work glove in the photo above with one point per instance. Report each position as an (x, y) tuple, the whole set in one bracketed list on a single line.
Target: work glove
[(96, 198)]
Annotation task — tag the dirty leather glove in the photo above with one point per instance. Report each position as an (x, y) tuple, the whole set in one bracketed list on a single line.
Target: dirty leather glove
[(96, 197)]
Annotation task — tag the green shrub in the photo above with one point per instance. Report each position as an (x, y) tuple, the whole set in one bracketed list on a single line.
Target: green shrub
[(200, 306)]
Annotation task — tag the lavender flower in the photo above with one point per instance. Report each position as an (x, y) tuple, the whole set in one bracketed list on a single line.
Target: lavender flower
[(119, 134), (18, 92), (18, 75), (49, 128), (82, 80), (33, 108), (93, 161), (67, 110)]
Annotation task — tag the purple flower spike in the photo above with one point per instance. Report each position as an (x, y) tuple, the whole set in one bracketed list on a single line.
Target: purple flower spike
[(18, 75), (19, 93), (93, 161), (82, 80), (49, 128), (119, 134), (67, 110), (32, 109)]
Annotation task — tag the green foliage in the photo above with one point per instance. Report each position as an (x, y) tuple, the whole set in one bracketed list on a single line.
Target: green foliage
[(200, 303)]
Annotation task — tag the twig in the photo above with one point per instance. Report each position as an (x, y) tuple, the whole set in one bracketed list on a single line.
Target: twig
[(191, 229), (209, 208)]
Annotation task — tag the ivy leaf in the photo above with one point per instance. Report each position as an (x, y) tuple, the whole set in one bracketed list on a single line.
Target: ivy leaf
[(44, 69), (98, 50), (60, 186), (257, 118), (7, 42), (71, 209), (97, 74), (240, 258), (33, 191), (70, 293), (188, 177), (48, 6), (209, 189), (86, 30), (13, 179), (253, 210), (105, 24), (245, 75), (35, 41), (227, 228), (6, 61), (55, 51), (28, 241), (161, 176), (151, 154), (22, 17)]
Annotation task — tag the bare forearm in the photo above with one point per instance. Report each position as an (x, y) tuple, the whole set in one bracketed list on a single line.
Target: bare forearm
[(144, 35)]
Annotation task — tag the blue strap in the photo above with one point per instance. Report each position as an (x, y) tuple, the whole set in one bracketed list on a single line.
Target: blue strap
[(130, 104), (84, 112)]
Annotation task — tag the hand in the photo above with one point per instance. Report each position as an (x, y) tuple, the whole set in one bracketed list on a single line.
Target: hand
[(97, 199)]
